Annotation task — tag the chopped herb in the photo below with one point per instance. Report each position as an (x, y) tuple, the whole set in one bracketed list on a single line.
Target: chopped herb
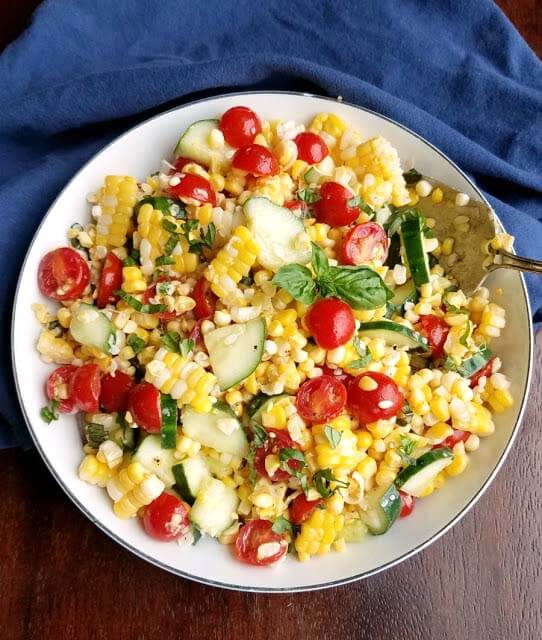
[(163, 260), (171, 244), (405, 416), (169, 226), (196, 534), (412, 176), (449, 364), (96, 434), (172, 341), (367, 209), (260, 437), (452, 307), (153, 308), (163, 288), (247, 281), (136, 343), (333, 436), (132, 260), (50, 411), (168, 206), (310, 196), (322, 482), (405, 450), (359, 363), (464, 340), (286, 454), (207, 239), (283, 525), (133, 302), (354, 202)]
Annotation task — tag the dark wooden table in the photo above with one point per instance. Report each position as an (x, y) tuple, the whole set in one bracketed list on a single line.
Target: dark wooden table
[(61, 578)]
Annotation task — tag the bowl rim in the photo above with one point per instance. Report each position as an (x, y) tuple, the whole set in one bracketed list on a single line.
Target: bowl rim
[(218, 583)]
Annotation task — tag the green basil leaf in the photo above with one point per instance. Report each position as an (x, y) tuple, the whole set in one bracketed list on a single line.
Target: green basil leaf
[(282, 525), (50, 411), (319, 261), (412, 176), (163, 260), (333, 436), (310, 196), (359, 363), (322, 483), (172, 341), (465, 337), (260, 435), (168, 225), (297, 281), (136, 343), (360, 287), (286, 454)]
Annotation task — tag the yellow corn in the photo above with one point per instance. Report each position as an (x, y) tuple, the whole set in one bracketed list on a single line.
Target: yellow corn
[(153, 236), (204, 214), (185, 447), (460, 461), (93, 471), (438, 432), (117, 199), (318, 533), (132, 489), (345, 456), (184, 261), (275, 415), (367, 467), (491, 322), (498, 399), (54, 349), (133, 280)]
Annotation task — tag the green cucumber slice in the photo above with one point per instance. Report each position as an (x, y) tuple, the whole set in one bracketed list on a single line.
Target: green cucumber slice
[(155, 459), (473, 364), (168, 430), (235, 351), (415, 478), (354, 531), (215, 507), (259, 403), (416, 256), (384, 506), (404, 293), (91, 327), (203, 428), (189, 476), (394, 334), (194, 144), (280, 234)]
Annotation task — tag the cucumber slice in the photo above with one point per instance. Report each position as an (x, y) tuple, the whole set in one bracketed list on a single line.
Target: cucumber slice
[(405, 293), (203, 428), (313, 176), (416, 256), (394, 334), (194, 144), (415, 478), (384, 506), (235, 351), (354, 531), (279, 233), (259, 403), (215, 507), (91, 327), (155, 459), (189, 476), (473, 364), (394, 252), (168, 430)]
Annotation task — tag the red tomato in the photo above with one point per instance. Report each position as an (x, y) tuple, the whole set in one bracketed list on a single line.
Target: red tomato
[(451, 441), (150, 292), (196, 334), (257, 160), (114, 392), (63, 274), (333, 207), (166, 518), (298, 206), (485, 371), (320, 399), (205, 299), (144, 405), (85, 388), (384, 401), (180, 163), (240, 125), (61, 377), (301, 508), (310, 147), (277, 440), (252, 536), (436, 331), (110, 280), (407, 504), (343, 377), (193, 187), (364, 243), (331, 322)]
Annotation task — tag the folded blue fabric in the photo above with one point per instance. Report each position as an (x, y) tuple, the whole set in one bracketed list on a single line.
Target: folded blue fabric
[(455, 71)]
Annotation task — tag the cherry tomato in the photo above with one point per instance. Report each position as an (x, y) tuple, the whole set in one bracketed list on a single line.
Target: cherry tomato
[(384, 401), (276, 441), (331, 322), (310, 147), (298, 206), (144, 405), (252, 535), (333, 207), (451, 441), (110, 280), (58, 384), (150, 292), (257, 160), (436, 331), (85, 388), (364, 243), (166, 517), (407, 504), (485, 371), (115, 390), (240, 125), (301, 508), (205, 299), (320, 399), (180, 164), (63, 274), (193, 187)]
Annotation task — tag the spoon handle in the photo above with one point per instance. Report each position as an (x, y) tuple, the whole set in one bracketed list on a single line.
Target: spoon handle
[(506, 259)]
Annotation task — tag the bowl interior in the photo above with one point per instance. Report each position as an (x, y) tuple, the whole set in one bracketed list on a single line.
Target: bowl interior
[(138, 152)]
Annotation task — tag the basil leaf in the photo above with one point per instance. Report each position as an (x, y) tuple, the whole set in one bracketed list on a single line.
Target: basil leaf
[(260, 435), (133, 302), (168, 206), (136, 343), (196, 534), (319, 261), (282, 525), (286, 454), (169, 226), (310, 196), (333, 436), (359, 363), (465, 337), (172, 341), (354, 202), (406, 449), (360, 287), (95, 433), (50, 412), (359, 346), (412, 176), (163, 260), (297, 281), (322, 482), (171, 244)]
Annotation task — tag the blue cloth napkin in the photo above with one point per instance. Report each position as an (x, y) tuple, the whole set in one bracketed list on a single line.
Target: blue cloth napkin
[(455, 71)]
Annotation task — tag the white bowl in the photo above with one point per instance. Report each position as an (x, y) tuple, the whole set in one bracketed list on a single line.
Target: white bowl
[(138, 152)]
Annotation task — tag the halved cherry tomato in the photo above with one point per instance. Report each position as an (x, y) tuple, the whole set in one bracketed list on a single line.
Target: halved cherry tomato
[(383, 401), (144, 405), (180, 163), (63, 274), (253, 535), (256, 159), (331, 322), (343, 377), (115, 389), (110, 280), (166, 518), (320, 399), (196, 334), (436, 331), (58, 384), (485, 371), (457, 436), (364, 243), (85, 388), (407, 504), (301, 508), (299, 206), (310, 147), (276, 441), (150, 292), (205, 299), (333, 207), (240, 125), (193, 187)]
